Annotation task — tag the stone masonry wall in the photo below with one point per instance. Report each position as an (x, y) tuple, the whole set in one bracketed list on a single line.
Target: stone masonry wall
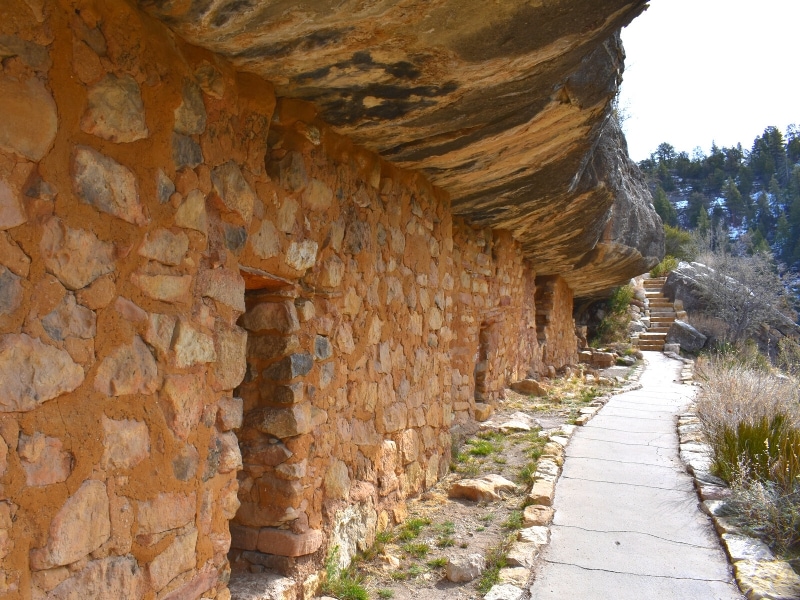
[(197, 281)]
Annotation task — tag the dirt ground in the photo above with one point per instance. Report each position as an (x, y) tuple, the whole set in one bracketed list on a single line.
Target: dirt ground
[(407, 563)]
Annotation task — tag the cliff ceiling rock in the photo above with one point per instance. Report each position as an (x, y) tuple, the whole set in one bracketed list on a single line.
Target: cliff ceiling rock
[(505, 104)]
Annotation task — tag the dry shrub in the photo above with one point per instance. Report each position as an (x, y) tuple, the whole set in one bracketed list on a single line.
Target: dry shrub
[(751, 418), (737, 390)]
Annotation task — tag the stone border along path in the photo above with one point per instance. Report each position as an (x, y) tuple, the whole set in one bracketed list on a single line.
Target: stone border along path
[(626, 524)]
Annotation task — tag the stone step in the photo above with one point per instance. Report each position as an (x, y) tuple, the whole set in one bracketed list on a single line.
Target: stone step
[(655, 335)]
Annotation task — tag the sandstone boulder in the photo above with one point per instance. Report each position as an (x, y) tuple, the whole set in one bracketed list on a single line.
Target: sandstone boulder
[(465, 568), (484, 489)]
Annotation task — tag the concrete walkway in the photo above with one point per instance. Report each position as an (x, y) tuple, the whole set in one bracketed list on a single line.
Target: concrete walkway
[(627, 524)]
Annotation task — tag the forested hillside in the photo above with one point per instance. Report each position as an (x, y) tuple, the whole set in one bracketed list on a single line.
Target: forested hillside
[(750, 194)]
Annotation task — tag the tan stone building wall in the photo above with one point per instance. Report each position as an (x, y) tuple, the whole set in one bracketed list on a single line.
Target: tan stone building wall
[(197, 281)]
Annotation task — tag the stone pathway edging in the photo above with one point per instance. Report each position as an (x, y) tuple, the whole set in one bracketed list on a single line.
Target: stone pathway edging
[(759, 575), (538, 515)]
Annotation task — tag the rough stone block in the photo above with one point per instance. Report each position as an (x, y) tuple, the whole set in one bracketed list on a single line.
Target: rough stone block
[(767, 579), (182, 401), (289, 367), (167, 288), (107, 185), (231, 365), (32, 373), (115, 110), (192, 213), (176, 559), (272, 316), (112, 577), (536, 515), (165, 512), (12, 211), (192, 347), (485, 489), (75, 256), (286, 543), (284, 422), (126, 443), (80, 527), (233, 190), (69, 319), (165, 247), (130, 369), (191, 116), (30, 120), (43, 459), (185, 152), (229, 413), (465, 568), (542, 492), (223, 285)]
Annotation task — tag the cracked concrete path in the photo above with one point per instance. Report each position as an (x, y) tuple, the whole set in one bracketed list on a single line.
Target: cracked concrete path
[(627, 524)]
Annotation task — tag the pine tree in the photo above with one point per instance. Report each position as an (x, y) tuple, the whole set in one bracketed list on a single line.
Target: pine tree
[(664, 208)]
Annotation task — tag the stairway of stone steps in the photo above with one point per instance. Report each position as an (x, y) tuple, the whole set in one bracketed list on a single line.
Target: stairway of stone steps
[(662, 314)]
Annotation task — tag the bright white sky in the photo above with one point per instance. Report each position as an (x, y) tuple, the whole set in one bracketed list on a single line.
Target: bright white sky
[(699, 71)]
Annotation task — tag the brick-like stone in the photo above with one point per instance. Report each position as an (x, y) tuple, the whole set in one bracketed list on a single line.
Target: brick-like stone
[(231, 364), (12, 212), (295, 365), (165, 512), (43, 459), (284, 422), (191, 214), (107, 185), (30, 118), (191, 116), (183, 399), (117, 577), (165, 247), (126, 443), (233, 189), (302, 255), (176, 559), (115, 110), (223, 285), (32, 373), (167, 288), (77, 257), (272, 316), (80, 527), (266, 346), (192, 347), (11, 291), (70, 320), (286, 543), (130, 369)]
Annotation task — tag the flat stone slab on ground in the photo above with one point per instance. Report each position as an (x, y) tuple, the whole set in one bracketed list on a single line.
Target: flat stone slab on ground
[(768, 580)]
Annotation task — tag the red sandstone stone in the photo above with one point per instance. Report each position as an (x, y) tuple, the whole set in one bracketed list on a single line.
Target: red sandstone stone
[(130, 369), (164, 512), (44, 460), (115, 110), (29, 122), (126, 443), (75, 256)]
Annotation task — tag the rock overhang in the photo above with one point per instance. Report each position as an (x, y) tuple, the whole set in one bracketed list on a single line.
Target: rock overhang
[(506, 105)]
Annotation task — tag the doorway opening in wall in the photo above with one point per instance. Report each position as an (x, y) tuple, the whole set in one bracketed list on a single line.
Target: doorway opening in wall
[(272, 325), (482, 362)]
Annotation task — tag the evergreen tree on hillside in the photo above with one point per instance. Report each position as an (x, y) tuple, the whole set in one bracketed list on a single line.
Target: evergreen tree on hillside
[(733, 194)]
